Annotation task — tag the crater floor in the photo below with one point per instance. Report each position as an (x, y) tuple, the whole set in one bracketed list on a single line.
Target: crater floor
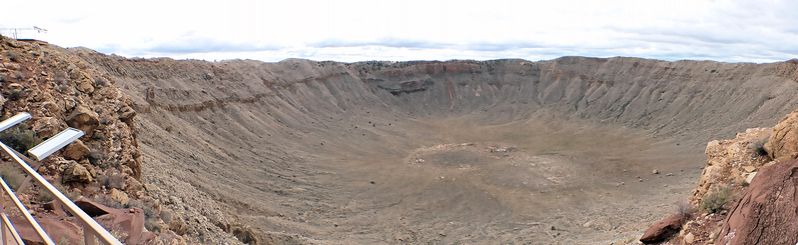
[(512, 181)]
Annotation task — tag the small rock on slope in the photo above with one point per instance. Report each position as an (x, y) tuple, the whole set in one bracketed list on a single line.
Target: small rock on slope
[(663, 229)]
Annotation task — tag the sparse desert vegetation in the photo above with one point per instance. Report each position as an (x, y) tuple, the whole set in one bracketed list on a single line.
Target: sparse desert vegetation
[(716, 199)]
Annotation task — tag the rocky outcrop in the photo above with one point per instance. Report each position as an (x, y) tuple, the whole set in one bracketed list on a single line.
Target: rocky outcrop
[(783, 144), (762, 201), (766, 212), (731, 162), (61, 90), (407, 87)]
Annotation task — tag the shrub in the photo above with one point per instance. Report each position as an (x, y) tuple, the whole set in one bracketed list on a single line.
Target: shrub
[(148, 209), (12, 176), (64, 241), (20, 138), (112, 180), (19, 75), (716, 199), (107, 201), (96, 157), (15, 95), (759, 147), (100, 82), (12, 56), (152, 224), (45, 196), (684, 208)]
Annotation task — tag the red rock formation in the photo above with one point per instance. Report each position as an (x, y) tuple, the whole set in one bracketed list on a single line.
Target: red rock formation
[(663, 229), (768, 211)]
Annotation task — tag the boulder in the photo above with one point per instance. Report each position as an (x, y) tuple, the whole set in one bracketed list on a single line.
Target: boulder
[(126, 113), (47, 126), (783, 144), (84, 119), (84, 81), (76, 151), (246, 234), (119, 196), (86, 87), (77, 173), (766, 212), (51, 107), (689, 238), (750, 177), (663, 229), (12, 66)]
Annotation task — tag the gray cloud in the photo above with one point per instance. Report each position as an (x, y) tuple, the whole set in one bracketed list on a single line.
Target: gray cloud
[(744, 30), (385, 42), (420, 44), (205, 45)]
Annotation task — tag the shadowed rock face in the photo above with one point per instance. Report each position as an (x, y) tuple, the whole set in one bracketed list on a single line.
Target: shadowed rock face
[(385, 152)]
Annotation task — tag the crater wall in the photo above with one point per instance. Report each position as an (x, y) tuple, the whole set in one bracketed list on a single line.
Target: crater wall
[(335, 152)]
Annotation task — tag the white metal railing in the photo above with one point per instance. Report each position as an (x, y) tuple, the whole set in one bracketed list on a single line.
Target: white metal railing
[(34, 32), (92, 231), (25, 213), (9, 234)]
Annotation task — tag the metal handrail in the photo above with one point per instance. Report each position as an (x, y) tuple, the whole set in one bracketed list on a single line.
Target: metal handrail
[(89, 224), (7, 229), (26, 214)]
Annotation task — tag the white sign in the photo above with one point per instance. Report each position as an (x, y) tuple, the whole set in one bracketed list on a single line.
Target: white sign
[(55, 143), (16, 119)]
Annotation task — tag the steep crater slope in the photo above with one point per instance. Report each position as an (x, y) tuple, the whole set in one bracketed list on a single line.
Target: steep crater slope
[(510, 150)]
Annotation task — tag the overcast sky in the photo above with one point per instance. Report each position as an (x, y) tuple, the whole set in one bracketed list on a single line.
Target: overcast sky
[(348, 30)]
